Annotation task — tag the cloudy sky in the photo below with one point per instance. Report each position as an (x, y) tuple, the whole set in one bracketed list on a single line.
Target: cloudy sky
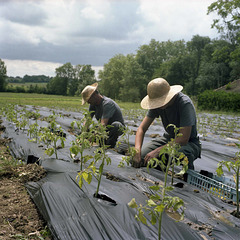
[(37, 36)]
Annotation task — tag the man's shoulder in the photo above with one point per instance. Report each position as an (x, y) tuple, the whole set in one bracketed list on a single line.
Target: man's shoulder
[(108, 101), (183, 98)]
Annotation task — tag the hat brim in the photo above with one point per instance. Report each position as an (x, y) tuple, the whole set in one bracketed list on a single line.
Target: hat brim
[(95, 86), (148, 103)]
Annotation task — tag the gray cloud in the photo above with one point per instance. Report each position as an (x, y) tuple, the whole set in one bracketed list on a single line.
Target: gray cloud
[(85, 54), (93, 31), (30, 13)]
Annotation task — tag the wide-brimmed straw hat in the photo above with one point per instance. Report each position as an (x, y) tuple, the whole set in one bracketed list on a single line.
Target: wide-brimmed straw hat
[(159, 93), (88, 91)]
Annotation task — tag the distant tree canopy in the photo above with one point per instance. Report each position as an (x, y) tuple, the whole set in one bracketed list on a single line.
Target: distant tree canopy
[(198, 65), (31, 79), (70, 80), (3, 75)]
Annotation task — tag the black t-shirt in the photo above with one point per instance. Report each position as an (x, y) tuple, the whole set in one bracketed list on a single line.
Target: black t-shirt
[(181, 113), (107, 109)]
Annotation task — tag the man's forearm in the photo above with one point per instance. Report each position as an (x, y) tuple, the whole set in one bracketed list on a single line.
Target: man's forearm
[(139, 139)]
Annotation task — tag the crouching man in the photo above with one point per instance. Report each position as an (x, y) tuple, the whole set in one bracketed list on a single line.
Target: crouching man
[(173, 107), (106, 111)]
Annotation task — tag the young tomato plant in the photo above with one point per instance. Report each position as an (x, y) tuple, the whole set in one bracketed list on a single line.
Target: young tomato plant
[(156, 205), (131, 151), (235, 166), (100, 135), (51, 136), (33, 132), (159, 201), (84, 139), (170, 155)]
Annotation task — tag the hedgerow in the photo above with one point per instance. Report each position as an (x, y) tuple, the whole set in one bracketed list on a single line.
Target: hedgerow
[(219, 100)]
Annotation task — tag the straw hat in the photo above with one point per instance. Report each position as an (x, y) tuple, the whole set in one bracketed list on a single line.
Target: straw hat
[(159, 93), (88, 91)]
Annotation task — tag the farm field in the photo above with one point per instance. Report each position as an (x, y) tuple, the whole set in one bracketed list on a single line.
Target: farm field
[(218, 133)]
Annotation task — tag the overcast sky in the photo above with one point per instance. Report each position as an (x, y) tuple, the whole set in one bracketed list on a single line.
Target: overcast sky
[(37, 36)]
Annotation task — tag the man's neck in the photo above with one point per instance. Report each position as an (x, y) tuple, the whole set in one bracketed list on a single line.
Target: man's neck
[(99, 99)]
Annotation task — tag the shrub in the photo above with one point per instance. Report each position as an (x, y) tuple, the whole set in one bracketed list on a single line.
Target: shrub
[(224, 101)]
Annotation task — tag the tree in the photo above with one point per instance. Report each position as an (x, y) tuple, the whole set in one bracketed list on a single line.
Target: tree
[(84, 75), (133, 83), (149, 57), (195, 47), (235, 63), (152, 56), (111, 76), (214, 69), (64, 75), (228, 23), (3, 76), (71, 80), (58, 86), (172, 70)]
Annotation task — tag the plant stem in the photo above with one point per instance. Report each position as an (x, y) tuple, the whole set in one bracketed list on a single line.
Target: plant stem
[(159, 226), (55, 149), (103, 162), (81, 161), (237, 188)]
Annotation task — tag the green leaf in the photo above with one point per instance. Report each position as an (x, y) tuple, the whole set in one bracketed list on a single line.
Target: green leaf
[(219, 170), (89, 180), (85, 176), (159, 208), (169, 188), (80, 181), (178, 204), (153, 218), (74, 149), (49, 151), (132, 203), (155, 187), (151, 203), (141, 217)]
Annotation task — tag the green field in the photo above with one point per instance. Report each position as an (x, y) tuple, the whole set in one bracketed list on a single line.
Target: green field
[(52, 101), (75, 103)]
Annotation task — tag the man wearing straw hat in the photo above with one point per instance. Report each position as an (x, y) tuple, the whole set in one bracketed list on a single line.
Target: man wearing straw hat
[(174, 107), (106, 111)]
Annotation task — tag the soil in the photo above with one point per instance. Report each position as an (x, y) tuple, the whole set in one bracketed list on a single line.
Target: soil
[(19, 217)]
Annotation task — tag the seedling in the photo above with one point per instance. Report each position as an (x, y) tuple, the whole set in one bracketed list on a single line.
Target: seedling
[(159, 201), (235, 166), (51, 136), (33, 132), (84, 139), (131, 151), (156, 205), (100, 134)]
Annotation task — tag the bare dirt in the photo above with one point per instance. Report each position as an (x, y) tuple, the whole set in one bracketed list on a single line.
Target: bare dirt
[(19, 217)]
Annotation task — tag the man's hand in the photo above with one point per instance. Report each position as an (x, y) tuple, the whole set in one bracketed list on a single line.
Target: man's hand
[(137, 160), (150, 155)]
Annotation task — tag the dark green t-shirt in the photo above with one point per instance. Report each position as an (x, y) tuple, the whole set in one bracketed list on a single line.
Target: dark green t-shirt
[(107, 109), (181, 113)]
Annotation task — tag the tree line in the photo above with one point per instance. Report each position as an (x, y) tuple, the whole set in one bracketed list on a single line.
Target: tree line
[(27, 78), (199, 64)]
